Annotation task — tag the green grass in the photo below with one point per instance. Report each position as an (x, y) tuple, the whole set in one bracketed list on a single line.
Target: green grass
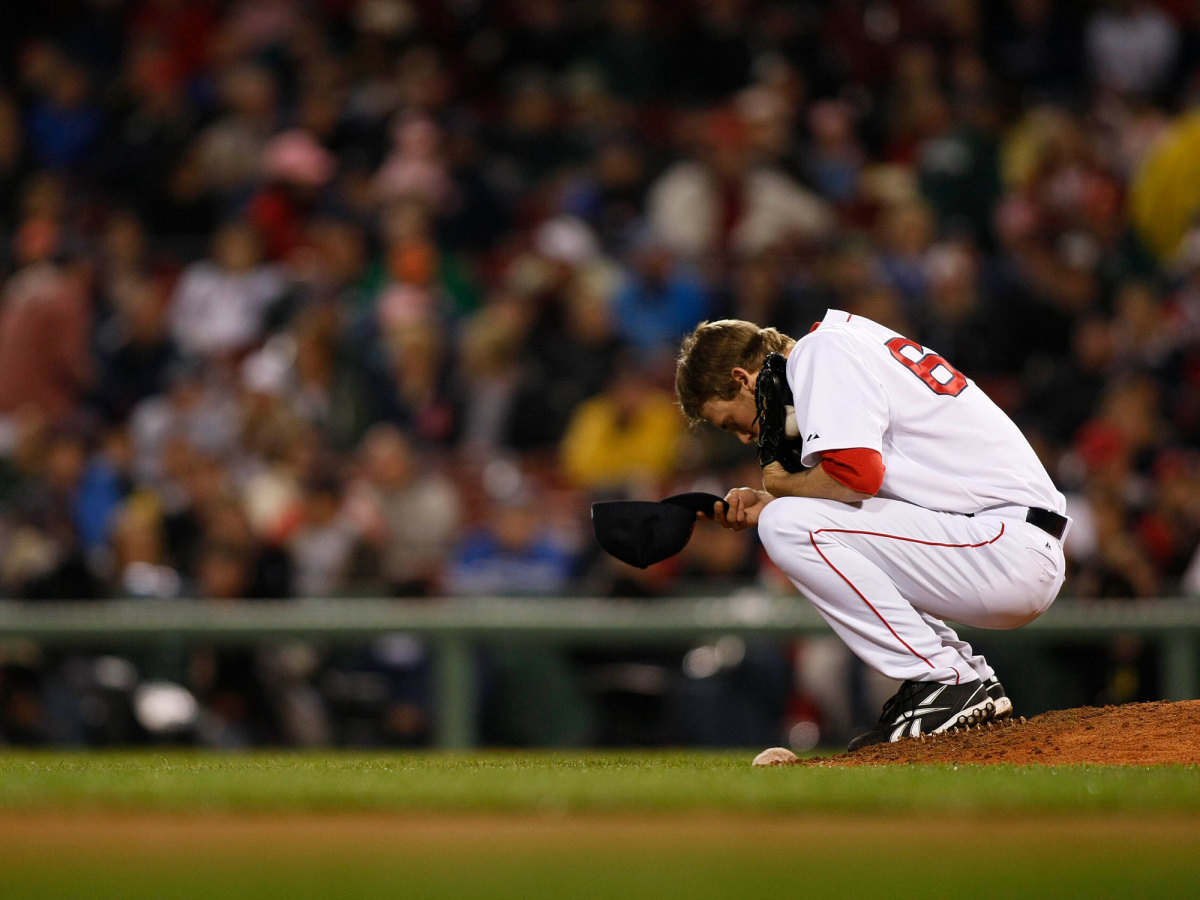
[(585, 825), (583, 782)]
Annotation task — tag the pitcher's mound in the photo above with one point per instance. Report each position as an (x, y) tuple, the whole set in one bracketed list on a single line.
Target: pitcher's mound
[(1142, 734)]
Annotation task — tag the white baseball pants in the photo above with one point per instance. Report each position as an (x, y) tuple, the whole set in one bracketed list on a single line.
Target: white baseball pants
[(885, 574)]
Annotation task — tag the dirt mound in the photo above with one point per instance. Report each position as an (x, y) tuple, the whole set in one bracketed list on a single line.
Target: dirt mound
[(1141, 734)]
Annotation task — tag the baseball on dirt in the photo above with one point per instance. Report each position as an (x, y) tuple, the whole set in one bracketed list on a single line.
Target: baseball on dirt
[(775, 756)]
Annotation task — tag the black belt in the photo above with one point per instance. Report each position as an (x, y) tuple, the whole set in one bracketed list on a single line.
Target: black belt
[(1050, 522)]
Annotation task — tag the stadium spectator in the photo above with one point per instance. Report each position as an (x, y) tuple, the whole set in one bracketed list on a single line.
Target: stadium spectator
[(45, 317), (626, 438), (220, 305), (326, 551), (657, 298), (295, 169), (409, 513), (65, 121), (140, 561), (1131, 46), (241, 245), (721, 201), (534, 695), (192, 411)]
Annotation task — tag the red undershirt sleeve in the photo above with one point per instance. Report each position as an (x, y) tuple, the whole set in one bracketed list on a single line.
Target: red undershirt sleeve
[(857, 468)]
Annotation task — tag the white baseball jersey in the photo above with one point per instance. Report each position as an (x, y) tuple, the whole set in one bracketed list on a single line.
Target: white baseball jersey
[(947, 535), (945, 444)]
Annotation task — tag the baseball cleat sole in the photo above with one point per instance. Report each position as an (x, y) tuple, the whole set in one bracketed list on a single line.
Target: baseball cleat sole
[(973, 717)]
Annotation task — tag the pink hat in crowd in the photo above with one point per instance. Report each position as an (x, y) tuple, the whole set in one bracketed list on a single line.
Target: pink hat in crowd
[(296, 156)]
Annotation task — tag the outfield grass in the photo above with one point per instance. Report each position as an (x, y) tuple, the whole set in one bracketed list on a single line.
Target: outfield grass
[(587, 825)]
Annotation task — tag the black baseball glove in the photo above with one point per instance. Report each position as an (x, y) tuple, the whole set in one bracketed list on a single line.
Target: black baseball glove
[(776, 441)]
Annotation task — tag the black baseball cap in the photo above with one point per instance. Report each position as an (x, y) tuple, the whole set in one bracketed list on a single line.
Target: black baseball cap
[(645, 532)]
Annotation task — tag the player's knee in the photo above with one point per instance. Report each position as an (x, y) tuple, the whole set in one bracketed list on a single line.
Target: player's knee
[(787, 520), (770, 528), (778, 523)]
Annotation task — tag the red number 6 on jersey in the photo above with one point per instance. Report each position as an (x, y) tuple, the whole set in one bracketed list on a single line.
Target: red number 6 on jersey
[(939, 375)]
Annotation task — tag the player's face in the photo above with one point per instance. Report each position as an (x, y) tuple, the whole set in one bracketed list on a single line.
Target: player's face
[(737, 416)]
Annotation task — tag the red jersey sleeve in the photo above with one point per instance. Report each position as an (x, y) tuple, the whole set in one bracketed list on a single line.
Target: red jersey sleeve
[(857, 468)]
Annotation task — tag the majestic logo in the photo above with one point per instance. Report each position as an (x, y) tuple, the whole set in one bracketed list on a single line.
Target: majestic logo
[(812, 437)]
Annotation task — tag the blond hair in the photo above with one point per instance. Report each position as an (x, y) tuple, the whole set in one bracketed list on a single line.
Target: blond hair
[(708, 356)]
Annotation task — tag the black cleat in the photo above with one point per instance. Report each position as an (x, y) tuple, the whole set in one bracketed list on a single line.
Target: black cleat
[(927, 707), (995, 690)]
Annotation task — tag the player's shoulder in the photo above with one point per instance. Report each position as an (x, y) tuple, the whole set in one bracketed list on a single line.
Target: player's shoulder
[(838, 321), (840, 329)]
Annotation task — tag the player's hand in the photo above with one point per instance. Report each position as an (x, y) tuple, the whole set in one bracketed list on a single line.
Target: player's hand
[(742, 508)]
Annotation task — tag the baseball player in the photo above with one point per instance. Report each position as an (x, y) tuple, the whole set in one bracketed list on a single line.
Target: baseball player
[(896, 495)]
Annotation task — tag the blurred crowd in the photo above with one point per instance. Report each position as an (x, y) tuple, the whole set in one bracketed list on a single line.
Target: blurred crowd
[(328, 298)]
